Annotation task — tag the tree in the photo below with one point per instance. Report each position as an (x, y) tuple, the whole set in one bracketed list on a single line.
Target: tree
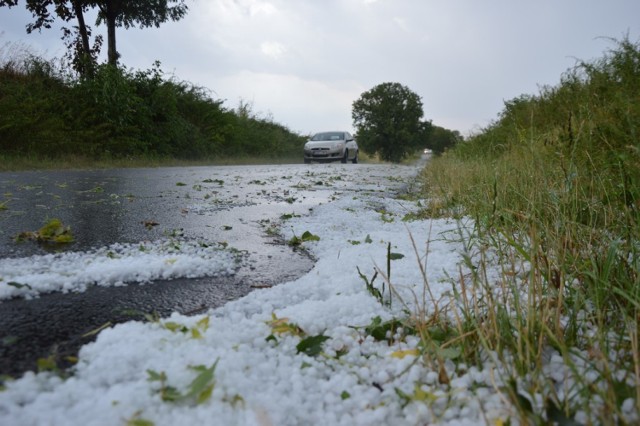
[(113, 13), (387, 119), (127, 14), (82, 55)]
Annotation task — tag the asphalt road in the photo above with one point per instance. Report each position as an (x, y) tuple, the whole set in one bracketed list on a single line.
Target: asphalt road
[(240, 206)]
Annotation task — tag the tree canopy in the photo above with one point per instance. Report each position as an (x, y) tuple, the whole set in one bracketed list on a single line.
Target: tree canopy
[(388, 122), (127, 14), (112, 13)]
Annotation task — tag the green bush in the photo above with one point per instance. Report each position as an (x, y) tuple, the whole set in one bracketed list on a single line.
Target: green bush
[(121, 113)]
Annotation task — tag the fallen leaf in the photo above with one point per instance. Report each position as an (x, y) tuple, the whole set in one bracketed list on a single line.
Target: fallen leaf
[(403, 353)]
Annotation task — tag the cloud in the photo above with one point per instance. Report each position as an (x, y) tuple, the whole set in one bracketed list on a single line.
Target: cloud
[(257, 7), (273, 49), (401, 23), (318, 104)]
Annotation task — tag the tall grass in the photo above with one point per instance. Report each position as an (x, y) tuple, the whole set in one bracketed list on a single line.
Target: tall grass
[(554, 188)]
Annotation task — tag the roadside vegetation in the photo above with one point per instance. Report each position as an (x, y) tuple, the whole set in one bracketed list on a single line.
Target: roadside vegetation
[(553, 187), (48, 113)]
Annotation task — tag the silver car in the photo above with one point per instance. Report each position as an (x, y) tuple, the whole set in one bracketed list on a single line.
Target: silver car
[(331, 146)]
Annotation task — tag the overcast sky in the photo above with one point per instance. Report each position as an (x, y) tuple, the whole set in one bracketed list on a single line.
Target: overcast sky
[(304, 62)]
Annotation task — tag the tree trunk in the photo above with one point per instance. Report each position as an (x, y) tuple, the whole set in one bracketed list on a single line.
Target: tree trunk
[(82, 27), (87, 60), (111, 12)]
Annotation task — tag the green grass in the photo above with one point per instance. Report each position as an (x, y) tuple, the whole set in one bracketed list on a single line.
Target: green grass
[(553, 187)]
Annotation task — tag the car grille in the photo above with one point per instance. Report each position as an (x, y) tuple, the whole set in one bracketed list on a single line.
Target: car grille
[(320, 152)]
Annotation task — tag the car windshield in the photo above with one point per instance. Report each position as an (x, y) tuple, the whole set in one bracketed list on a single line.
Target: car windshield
[(328, 136)]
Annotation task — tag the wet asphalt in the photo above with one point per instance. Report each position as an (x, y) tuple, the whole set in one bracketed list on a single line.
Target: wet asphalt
[(238, 206)]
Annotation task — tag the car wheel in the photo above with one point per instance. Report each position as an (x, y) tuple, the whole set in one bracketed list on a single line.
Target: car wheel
[(355, 159), (344, 158)]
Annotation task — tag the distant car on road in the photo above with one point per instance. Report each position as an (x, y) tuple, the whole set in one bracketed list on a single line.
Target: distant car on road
[(331, 146)]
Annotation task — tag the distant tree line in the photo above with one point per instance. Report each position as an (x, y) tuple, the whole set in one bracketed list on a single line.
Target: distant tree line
[(45, 110)]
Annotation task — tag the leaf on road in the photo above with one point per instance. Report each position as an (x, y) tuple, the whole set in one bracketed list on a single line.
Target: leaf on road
[(312, 345)]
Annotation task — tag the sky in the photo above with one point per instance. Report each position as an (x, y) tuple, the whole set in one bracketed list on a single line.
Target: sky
[(303, 63)]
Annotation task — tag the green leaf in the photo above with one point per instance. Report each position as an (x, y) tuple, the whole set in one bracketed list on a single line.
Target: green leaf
[(406, 399), (395, 256), (174, 326), (154, 376), (308, 236), (205, 394), (218, 181), (52, 232), (295, 241), (368, 239), (345, 395), (140, 422), (47, 364), (203, 324), (19, 285), (312, 345), (451, 352), (63, 239), (195, 333), (270, 338), (282, 326), (378, 329), (171, 394), (202, 386), (341, 352)]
